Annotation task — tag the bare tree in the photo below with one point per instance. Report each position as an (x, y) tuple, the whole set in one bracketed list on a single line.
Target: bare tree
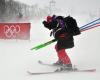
[(2, 9)]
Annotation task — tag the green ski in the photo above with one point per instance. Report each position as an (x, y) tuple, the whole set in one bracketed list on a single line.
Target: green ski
[(43, 45)]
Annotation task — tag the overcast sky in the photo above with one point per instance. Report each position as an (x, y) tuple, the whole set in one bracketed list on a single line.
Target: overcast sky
[(80, 5), (77, 3)]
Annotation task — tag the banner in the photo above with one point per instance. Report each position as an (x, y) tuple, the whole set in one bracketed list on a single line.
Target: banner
[(15, 31)]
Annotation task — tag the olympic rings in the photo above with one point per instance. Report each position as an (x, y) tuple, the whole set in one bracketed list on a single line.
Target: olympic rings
[(11, 31)]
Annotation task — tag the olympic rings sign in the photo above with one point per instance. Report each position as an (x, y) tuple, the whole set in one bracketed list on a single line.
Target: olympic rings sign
[(11, 31)]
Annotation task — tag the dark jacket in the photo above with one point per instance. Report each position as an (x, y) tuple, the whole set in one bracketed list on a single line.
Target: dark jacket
[(64, 39), (64, 36)]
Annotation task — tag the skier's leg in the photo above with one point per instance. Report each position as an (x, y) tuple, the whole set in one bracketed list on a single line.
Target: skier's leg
[(67, 65), (64, 57), (59, 62)]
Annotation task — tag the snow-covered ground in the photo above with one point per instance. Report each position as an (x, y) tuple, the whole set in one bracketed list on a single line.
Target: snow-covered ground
[(16, 57)]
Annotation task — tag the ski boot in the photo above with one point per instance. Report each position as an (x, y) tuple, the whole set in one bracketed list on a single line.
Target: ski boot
[(65, 67), (58, 63)]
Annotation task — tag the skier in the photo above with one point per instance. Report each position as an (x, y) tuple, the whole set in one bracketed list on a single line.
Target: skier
[(63, 30)]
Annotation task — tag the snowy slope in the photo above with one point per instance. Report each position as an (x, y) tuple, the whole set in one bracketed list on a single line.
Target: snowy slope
[(16, 57)]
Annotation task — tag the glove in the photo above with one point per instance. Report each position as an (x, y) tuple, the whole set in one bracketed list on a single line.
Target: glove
[(44, 22)]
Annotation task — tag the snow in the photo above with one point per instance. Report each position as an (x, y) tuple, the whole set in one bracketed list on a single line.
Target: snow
[(16, 58)]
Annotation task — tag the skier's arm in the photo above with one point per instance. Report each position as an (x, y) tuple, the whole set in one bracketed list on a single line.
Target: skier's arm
[(46, 24), (50, 25)]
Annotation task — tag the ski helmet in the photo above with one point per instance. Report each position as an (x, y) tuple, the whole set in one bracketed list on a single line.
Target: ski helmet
[(49, 18)]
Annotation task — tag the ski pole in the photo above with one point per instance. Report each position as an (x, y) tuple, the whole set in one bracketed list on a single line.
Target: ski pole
[(89, 26), (89, 23)]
